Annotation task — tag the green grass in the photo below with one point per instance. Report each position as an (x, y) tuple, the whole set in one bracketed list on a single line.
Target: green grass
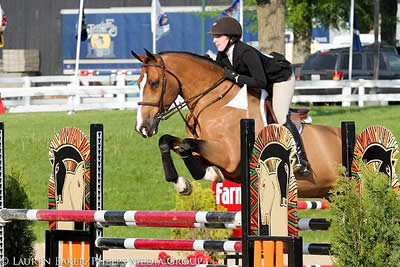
[(133, 175)]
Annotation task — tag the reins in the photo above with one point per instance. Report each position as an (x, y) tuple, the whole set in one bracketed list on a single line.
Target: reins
[(165, 113)]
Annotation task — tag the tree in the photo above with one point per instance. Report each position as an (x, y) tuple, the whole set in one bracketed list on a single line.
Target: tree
[(301, 14), (271, 25), (300, 19), (389, 21)]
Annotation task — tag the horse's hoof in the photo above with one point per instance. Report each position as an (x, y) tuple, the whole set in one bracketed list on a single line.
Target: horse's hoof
[(305, 172), (301, 170), (297, 167), (183, 186), (214, 174)]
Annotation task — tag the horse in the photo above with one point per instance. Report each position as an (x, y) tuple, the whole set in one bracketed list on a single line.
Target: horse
[(211, 149)]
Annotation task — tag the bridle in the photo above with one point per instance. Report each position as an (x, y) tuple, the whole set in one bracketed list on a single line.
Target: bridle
[(165, 113), (160, 103)]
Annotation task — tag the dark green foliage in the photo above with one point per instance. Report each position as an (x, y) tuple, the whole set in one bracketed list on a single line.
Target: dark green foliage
[(18, 235), (299, 16), (389, 21), (365, 228)]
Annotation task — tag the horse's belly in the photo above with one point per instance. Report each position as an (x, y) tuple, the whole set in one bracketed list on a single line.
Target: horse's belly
[(308, 189), (323, 147)]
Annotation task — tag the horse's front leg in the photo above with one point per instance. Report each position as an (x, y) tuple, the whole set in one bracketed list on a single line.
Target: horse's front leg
[(167, 143), (187, 150)]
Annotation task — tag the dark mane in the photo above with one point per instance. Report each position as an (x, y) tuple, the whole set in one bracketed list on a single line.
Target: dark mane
[(209, 60)]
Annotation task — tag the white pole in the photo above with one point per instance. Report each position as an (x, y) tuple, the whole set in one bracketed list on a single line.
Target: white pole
[(241, 12), (78, 44), (153, 25), (351, 39), (241, 23)]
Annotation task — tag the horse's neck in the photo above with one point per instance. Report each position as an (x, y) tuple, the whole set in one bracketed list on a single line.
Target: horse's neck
[(196, 76)]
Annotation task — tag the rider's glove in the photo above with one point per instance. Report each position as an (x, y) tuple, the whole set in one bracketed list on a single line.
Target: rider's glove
[(231, 75)]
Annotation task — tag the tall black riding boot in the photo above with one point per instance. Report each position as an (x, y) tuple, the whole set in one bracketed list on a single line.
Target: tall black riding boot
[(302, 165)]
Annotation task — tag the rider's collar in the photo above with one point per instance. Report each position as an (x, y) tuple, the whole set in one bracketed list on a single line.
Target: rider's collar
[(229, 53)]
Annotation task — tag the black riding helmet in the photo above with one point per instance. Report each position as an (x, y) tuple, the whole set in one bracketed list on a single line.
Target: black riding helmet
[(227, 26)]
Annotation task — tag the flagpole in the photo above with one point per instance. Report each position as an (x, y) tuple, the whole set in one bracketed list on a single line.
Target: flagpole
[(203, 27), (351, 38), (241, 23), (241, 12), (78, 44), (153, 25)]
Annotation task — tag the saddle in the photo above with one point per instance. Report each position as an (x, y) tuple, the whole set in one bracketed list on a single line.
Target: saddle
[(299, 116)]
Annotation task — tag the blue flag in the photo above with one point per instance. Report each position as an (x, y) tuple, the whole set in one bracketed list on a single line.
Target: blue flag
[(84, 33), (357, 46), (232, 11)]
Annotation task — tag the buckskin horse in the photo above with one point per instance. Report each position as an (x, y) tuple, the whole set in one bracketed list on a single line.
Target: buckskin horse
[(211, 149)]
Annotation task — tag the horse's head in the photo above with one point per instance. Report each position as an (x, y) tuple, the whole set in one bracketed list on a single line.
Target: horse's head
[(159, 88)]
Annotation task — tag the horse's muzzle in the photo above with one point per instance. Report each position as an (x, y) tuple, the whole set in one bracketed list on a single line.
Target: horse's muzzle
[(148, 128)]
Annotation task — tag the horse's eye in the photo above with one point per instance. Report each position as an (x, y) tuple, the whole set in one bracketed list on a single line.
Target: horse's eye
[(154, 84)]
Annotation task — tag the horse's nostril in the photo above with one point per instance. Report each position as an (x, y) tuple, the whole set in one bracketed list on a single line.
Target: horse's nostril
[(143, 129)]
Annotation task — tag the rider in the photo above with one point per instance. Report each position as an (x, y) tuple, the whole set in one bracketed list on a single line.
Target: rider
[(244, 64)]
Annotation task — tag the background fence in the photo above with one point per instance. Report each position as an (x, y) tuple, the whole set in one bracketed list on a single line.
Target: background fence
[(60, 93)]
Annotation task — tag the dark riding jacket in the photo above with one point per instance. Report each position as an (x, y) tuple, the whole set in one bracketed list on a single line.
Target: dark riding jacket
[(254, 68)]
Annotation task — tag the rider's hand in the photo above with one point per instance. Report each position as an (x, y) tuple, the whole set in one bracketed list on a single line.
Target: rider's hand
[(231, 75)]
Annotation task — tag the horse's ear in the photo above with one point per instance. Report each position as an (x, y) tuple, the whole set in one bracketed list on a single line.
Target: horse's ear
[(138, 57), (149, 54)]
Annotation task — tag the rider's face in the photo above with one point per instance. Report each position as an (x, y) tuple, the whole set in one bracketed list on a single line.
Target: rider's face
[(220, 41)]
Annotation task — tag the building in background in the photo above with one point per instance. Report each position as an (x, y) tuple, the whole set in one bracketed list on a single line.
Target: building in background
[(114, 32), (38, 24), (41, 25)]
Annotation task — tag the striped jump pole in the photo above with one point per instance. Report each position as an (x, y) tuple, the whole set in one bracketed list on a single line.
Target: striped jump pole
[(316, 248), (169, 244), (304, 224), (131, 264), (312, 205), (313, 224), (173, 225), (178, 265), (122, 216), (193, 245)]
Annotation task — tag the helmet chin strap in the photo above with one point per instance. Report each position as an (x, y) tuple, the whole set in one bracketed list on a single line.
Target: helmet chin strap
[(228, 45)]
